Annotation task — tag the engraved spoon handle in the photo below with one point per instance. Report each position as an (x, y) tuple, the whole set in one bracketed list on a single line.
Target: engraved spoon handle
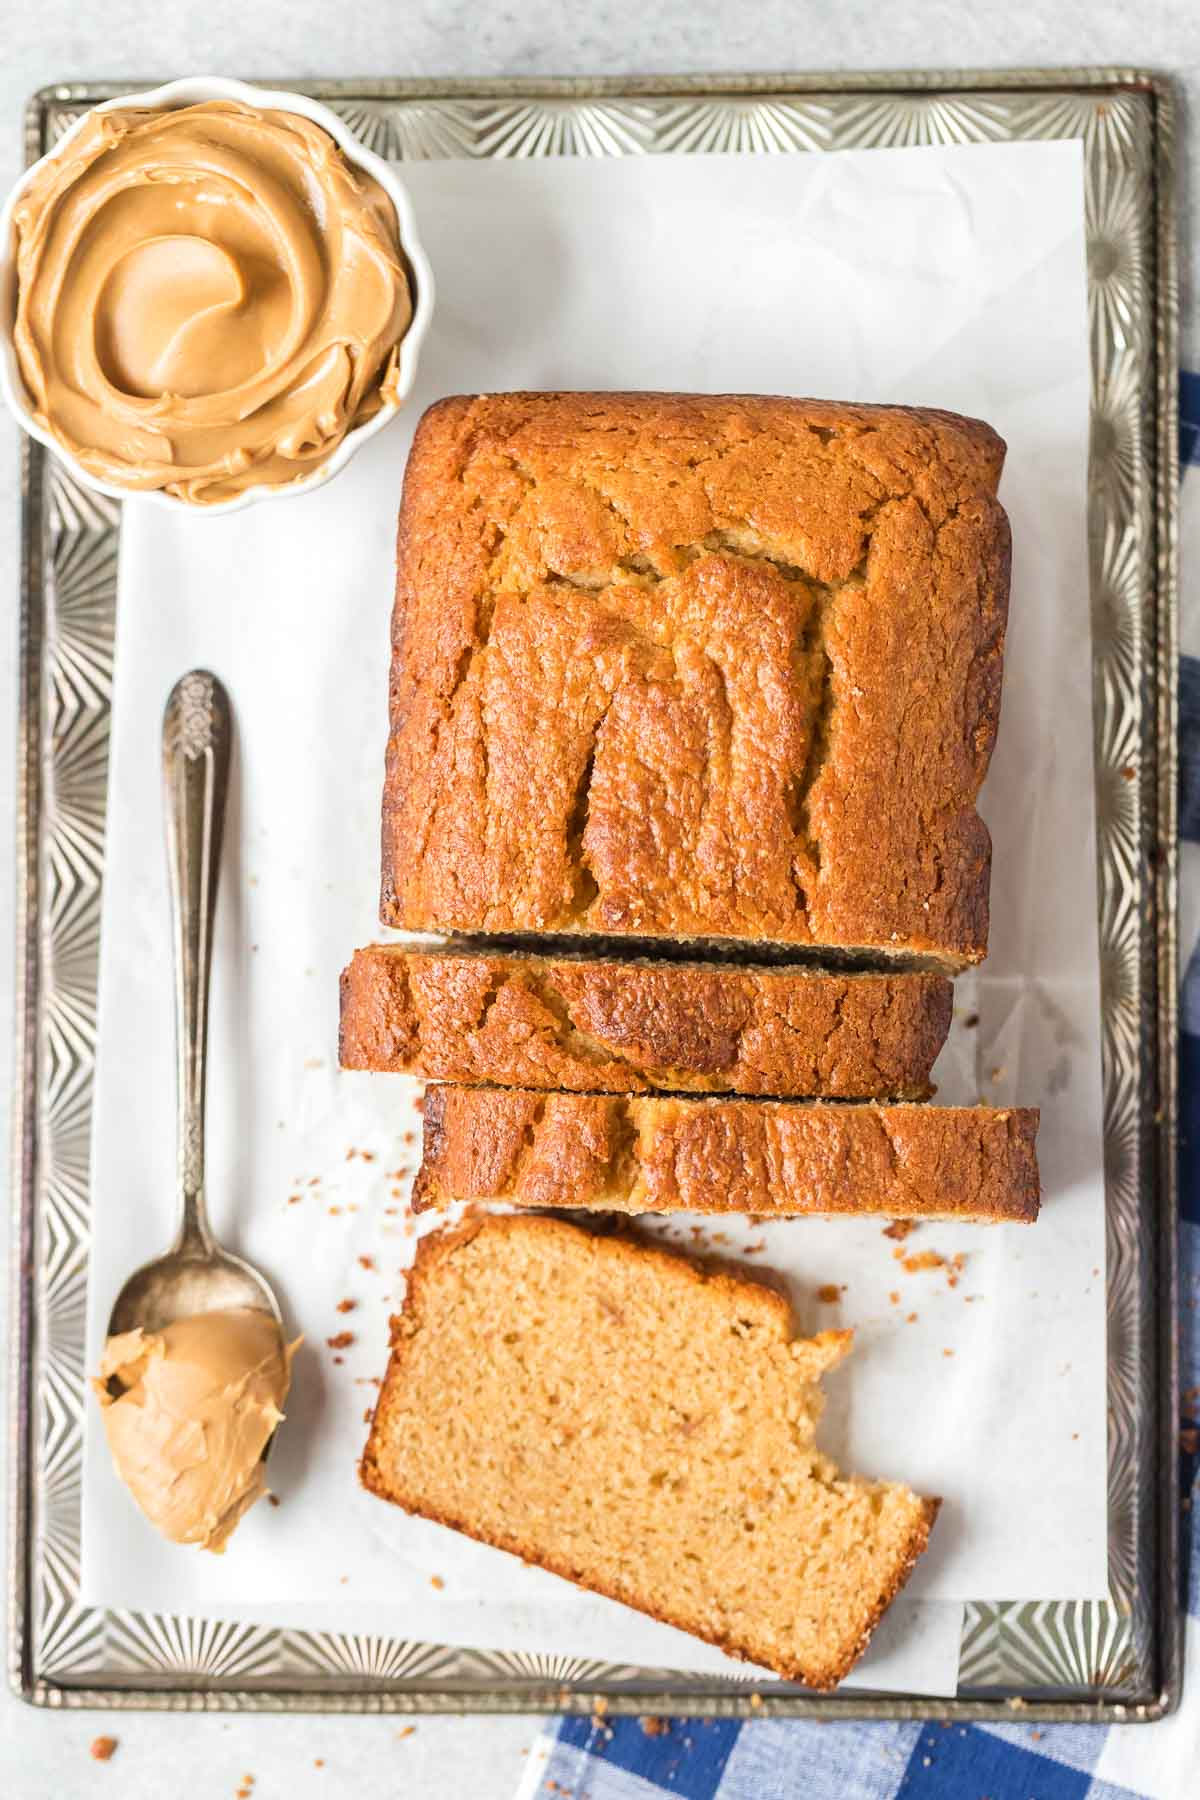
[(197, 730)]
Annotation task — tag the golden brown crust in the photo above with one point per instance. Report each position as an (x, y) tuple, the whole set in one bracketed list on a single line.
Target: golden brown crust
[(696, 667), (631, 1027), (677, 1276), (663, 1154)]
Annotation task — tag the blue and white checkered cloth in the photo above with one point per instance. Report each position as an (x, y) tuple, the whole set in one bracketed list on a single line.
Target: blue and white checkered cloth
[(768, 1759)]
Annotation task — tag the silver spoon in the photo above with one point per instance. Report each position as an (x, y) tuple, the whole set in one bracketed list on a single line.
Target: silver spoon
[(195, 1275)]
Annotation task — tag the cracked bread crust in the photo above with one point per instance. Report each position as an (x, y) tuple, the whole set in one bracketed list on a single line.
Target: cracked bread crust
[(771, 1158), (631, 1027), (646, 1429), (696, 667)]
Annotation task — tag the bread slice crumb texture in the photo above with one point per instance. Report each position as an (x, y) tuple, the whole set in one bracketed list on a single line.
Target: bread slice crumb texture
[(645, 1428)]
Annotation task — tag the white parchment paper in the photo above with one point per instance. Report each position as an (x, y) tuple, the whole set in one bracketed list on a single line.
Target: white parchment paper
[(949, 277)]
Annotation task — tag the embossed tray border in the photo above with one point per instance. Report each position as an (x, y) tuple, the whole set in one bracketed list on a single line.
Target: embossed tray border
[(1115, 1661)]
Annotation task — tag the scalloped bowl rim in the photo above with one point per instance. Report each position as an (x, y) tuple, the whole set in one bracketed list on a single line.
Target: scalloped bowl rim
[(191, 90)]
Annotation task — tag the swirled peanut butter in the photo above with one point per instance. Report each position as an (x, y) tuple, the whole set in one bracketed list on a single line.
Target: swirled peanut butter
[(207, 299)]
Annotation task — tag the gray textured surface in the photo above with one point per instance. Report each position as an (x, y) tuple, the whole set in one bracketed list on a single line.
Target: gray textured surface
[(44, 1755)]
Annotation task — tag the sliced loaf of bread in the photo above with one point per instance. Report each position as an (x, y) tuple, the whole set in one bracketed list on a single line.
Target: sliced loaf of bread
[(644, 1428), (776, 1158)]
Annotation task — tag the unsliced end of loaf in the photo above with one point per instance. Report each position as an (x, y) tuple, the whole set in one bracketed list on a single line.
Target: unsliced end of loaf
[(622, 1026), (691, 667), (644, 1428), (774, 1158)]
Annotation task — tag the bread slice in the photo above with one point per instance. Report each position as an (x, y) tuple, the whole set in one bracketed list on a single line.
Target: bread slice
[(631, 1027), (645, 1429), (696, 667), (775, 1158)]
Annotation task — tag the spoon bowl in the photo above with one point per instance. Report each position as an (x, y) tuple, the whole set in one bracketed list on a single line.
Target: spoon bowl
[(180, 1285), (196, 1275)]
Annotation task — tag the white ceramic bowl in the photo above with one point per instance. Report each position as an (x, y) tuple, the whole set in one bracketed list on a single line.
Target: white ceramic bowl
[(191, 92)]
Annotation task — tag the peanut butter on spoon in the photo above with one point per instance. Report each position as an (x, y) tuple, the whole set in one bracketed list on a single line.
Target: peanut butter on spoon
[(207, 299), (188, 1412)]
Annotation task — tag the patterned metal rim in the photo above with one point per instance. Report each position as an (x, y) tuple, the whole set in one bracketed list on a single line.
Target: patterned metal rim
[(1112, 1661)]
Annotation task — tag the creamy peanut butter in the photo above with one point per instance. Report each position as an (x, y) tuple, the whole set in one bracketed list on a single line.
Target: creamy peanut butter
[(188, 1412), (207, 299)]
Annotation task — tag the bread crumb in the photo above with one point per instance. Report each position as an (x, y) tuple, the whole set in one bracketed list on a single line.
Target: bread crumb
[(345, 1306), (342, 1340), (971, 1021), (947, 1353), (435, 1581), (653, 1726), (910, 1319), (339, 1359), (366, 1262), (830, 1293), (367, 1415), (406, 1732), (899, 1229), (754, 1249), (314, 1181), (894, 1297), (318, 1762), (419, 1103), (273, 1500), (998, 1073), (367, 1155), (103, 1748), (294, 1199), (410, 1137), (924, 1259), (334, 1211)]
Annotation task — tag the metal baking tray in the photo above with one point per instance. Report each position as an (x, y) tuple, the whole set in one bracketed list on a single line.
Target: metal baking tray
[(1097, 1661)]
